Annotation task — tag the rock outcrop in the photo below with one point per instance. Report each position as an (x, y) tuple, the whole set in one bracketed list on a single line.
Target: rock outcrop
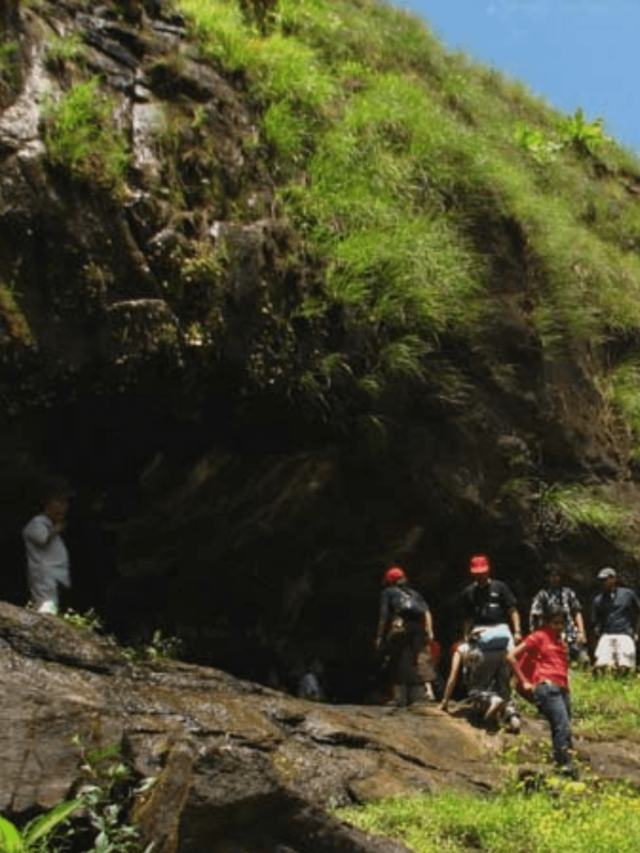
[(237, 766), (233, 761)]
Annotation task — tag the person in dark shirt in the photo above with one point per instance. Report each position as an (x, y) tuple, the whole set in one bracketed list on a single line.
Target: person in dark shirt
[(492, 623), (405, 629), (615, 613), (488, 602)]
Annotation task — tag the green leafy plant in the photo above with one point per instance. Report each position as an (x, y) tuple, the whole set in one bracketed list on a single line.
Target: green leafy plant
[(88, 621), (536, 142), (587, 136), (158, 648), (37, 831)]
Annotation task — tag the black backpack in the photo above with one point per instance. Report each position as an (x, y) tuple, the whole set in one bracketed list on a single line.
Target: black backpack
[(408, 603)]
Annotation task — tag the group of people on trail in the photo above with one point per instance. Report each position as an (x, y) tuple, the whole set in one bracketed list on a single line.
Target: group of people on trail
[(492, 651)]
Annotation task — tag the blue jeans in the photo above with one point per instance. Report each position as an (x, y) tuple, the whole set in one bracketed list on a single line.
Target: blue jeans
[(553, 703)]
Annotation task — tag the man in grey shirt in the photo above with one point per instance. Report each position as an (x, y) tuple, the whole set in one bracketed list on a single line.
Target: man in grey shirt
[(47, 555)]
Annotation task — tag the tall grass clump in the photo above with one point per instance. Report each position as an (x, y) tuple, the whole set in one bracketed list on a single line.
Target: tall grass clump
[(624, 390), (282, 72), (385, 37), (374, 207), (80, 136), (579, 505)]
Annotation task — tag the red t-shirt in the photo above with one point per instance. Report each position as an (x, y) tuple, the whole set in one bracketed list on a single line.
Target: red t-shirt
[(545, 658)]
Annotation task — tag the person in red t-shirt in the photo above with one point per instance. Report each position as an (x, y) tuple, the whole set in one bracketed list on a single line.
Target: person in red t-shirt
[(544, 656)]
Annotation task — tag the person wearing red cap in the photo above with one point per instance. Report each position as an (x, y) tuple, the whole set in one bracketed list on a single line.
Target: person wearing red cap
[(488, 602), (405, 627)]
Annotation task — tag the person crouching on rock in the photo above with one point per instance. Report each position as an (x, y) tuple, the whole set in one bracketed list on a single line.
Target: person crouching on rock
[(541, 665), (405, 627), (481, 658)]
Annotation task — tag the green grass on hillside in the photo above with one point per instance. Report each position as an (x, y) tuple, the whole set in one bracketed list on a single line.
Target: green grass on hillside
[(427, 192), (607, 706), (392, 156)]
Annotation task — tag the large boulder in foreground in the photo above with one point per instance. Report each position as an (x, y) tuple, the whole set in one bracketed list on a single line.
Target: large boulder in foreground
[(237, 766), (233, 760)]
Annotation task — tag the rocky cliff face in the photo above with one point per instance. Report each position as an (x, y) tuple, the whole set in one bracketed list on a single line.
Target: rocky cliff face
[(146, 350)]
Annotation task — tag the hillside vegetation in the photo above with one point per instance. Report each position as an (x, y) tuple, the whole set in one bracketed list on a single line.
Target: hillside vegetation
[(430, 192)]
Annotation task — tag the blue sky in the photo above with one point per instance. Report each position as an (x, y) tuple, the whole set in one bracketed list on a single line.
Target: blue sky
[(575, 53)]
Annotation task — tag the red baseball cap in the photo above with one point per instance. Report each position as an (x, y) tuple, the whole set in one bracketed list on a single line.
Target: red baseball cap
[(393, 575), (479, 565)]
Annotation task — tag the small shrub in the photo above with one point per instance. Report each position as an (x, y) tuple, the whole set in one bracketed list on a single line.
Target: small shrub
[(586, 136), (13, 316), (89, 621), (61, 50), (80, 136)]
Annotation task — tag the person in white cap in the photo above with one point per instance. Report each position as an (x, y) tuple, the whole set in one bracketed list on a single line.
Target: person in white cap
[(615, 615)]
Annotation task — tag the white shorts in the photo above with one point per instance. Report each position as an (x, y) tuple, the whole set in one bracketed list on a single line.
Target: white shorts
[(616, 650)]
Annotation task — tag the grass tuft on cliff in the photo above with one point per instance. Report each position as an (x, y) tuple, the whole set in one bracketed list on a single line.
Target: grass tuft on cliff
[(81, 136)]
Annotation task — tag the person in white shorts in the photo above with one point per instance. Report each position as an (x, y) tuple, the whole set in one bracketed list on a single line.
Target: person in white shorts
[(615, 616)]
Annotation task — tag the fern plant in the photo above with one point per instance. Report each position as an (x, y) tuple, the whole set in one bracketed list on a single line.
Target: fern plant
[(14, 840)]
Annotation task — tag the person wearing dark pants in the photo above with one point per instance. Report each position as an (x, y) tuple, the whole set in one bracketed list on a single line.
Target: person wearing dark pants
[(541, 665), (554, 703)]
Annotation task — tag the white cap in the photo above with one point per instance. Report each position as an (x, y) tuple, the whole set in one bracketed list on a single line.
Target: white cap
[(607, 572)]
